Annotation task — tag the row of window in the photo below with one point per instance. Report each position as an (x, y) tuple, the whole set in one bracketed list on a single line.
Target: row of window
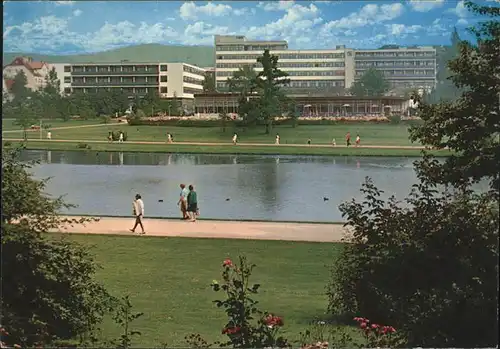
[(128, 90), (416, 64), (411, 84), (191, 80), (251, 47), (425, 72), (191, 90), (301, 84), (111, 69), (192, 70), (294, 56), (297, 73), (396, 54), (114, 80), (286, 65)]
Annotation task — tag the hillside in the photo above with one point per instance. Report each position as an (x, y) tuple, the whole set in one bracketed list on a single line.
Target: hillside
[(202, 56)]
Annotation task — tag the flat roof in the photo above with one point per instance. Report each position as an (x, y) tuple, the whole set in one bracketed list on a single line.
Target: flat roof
[(291, 95)]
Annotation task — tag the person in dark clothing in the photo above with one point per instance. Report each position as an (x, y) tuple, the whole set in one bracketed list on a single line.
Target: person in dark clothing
[(192, 201)]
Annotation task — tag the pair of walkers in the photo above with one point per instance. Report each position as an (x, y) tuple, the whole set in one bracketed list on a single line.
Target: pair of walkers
[(188, 201)]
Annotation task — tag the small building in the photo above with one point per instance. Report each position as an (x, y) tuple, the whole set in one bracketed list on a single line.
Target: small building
[(308, 105), (35, 72)]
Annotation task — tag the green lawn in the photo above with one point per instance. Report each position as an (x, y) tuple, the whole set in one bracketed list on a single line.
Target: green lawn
[(225, 149), (371, 134), (168, 279)]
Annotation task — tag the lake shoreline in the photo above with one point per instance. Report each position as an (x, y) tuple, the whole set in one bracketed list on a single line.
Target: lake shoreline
[(227, 149)]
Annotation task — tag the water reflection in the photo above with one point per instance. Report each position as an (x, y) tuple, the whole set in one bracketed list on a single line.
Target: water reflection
[(258, 187)]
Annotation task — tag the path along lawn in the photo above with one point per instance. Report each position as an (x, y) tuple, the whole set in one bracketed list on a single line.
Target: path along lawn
[(168, 279), (177, 148), (10, 125), (370, 133)]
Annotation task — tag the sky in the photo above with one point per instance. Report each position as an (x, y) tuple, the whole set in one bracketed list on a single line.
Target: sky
[(72, 27)]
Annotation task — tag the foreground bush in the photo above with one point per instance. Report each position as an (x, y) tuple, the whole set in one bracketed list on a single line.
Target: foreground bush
[(48, 286), (430, 269)]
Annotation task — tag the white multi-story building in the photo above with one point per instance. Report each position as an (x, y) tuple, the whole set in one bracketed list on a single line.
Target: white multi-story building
[(310, 70), (169, 80), (403, 68)]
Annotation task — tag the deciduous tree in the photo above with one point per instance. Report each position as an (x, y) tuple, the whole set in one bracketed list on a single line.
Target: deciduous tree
[(430, 267), (48, 286), (371, 83)]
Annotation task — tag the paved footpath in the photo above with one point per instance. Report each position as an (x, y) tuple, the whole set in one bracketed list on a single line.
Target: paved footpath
[(415, 147), (215, 229)]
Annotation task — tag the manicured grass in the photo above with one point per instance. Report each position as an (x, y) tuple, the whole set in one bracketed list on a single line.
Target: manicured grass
[(226, 149), (168, 279), (371, 134)]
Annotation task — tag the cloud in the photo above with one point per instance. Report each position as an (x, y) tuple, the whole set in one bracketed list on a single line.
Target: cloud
[(190, 11), (425, 5), (369, 14), (50, 33), (402, 30), (201, 33), (64, 3), (77, 12), (460, 10), (294, 26), (276, 5)]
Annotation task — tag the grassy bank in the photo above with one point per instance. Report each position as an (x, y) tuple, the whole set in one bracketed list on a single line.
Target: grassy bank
[(371, 134), (223, 149), (168, 280)]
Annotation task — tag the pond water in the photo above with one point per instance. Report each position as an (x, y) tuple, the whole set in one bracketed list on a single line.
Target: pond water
[(287, 188)]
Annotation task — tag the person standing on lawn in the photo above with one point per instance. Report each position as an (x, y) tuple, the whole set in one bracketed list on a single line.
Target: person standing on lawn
[(192, 201), (138, 207), (348, 139), (183, 201)]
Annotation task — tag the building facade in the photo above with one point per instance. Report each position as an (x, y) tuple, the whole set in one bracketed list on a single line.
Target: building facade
[(35, 72), (170, 80), (403, 68), (308, 70)]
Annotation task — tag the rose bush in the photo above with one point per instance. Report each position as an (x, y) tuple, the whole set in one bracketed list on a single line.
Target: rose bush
[(247, 326)]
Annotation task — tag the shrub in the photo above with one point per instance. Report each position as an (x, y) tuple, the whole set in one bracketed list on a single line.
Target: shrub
[(48, 286), (116, 136), (430, 268), (394, 119), (83, 146), (106, 119), (7, 143), (247, 326)]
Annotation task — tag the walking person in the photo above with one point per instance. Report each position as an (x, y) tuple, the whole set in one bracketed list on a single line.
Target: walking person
[(334, 143), (358, 140), (49, 135), (120, 139), (192, 201), (348, 139), (169, 138), (138, 206), (110, 137), (235, 139), (277, 139), (183, 201)]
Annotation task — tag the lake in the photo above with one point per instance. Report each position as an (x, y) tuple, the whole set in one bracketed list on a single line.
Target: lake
[(286, 188)]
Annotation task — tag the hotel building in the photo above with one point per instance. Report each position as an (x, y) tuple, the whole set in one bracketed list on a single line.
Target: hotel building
[(308, 70), (403, 68), (35, 73), (170, 80)]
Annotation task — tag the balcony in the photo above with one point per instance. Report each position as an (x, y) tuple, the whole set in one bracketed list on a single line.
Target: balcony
[(396, 66), (115, 73), (388, 58), (114, 83)]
